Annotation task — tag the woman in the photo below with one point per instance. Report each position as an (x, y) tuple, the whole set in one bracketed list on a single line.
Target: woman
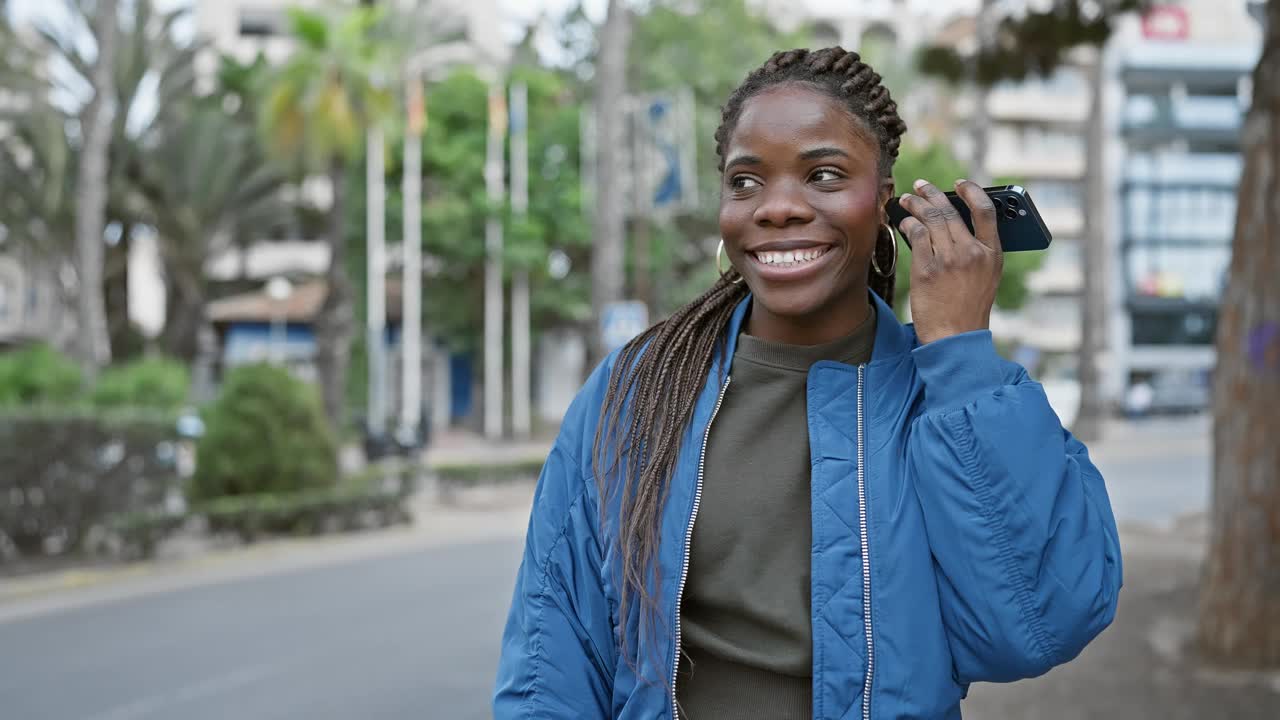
[(781, 502)]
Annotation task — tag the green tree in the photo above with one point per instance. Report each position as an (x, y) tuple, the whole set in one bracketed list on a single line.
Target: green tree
[(204, 182), (455, 206), (317, 108), (153, 73)]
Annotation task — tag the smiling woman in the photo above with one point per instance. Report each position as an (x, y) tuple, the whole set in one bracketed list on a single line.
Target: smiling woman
[(781, 502)]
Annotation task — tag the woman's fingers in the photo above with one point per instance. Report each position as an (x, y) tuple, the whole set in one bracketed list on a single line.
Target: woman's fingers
[(982, 211), (940, 211), (918, 238)]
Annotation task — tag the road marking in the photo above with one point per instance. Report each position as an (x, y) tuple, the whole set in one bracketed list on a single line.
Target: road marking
[(209, 687)]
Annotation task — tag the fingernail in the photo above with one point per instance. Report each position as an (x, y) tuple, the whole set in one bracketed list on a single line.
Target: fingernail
[(961, 180), (919, 184), (904, 197)]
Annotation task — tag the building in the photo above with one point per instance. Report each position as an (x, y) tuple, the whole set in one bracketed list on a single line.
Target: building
[(1035, 137), (1183, 76), (243, 28)]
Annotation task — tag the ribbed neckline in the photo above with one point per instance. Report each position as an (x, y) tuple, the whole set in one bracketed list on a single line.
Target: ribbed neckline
[(854, 346)]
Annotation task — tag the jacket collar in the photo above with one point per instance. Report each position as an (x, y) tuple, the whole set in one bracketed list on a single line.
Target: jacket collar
[(892, 337)]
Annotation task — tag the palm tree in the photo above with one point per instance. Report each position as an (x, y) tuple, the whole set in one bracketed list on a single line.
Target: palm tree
[(205, 183), (317, 108), (149, 68)]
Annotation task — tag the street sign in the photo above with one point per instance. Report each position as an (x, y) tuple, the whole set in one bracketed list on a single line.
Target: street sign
[(662, 150), (622, 321), (656, 168)]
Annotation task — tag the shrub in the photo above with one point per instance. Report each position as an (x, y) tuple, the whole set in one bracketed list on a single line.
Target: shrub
[(155, 382), (66, 472), (265, 433), (37, 375)]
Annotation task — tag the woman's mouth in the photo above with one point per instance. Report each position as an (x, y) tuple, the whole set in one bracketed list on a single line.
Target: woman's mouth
[(795, 264)]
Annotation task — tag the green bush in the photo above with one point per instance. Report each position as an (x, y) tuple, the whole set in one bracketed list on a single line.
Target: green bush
[(265, 433), (37, 375), (156, 382)]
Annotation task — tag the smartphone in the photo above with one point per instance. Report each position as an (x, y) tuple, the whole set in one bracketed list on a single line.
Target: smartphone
[(1017, 221)]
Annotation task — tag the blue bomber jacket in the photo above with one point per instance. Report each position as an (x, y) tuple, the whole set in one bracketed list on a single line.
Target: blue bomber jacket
[(960, 534)]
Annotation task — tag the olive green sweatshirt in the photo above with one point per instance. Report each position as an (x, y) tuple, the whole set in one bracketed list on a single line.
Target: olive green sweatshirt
[(745, 614)]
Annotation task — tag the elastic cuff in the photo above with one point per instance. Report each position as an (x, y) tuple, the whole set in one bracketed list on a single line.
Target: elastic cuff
[(959, 368)]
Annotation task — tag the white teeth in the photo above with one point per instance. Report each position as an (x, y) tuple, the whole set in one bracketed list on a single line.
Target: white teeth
[(790, 257)]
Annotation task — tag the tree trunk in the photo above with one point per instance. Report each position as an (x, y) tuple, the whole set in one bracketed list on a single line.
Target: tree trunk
[(610, 230), (335, 325), (1093, 295), (184, 318), (1240, 598), (980, 124), (94, 344), (115, 290)]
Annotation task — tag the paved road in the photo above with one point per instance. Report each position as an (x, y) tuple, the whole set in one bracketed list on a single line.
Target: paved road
[(411, 635), (408, 633)]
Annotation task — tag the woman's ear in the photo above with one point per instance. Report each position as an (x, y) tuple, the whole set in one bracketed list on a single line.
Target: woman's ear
[(886, 192)]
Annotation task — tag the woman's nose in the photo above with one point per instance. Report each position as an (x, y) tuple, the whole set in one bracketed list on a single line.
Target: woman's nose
[(782, 204)]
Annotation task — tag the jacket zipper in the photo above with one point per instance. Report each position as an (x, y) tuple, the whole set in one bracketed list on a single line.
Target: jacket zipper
[(866, 556), (688, 540)]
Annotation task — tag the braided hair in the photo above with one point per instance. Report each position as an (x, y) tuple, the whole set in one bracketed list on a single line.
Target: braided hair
[(656, 379)]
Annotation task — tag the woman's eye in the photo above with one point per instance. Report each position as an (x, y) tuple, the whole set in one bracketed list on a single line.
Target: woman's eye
[(743, 182), (825, 175)]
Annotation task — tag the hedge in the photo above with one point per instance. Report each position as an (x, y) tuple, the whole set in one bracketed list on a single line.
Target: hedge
[(65, 472), (371, 499)]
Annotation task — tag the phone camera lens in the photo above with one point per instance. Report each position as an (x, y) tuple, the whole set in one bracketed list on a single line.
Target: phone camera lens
[(1010, 213), (1012, 202)]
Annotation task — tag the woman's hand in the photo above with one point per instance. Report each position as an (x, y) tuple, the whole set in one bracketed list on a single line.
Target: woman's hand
[(954, 275)]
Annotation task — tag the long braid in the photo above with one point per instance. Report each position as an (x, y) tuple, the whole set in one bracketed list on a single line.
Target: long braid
[(658, 376)]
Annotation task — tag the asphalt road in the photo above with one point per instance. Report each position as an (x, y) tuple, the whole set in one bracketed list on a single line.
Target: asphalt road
[(409, 633)]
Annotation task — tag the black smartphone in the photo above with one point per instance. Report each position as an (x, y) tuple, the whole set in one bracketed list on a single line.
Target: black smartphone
[(1017, 220)]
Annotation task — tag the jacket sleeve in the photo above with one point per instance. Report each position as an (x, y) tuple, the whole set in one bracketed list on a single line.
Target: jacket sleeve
[(558, 641), (1024, 543)]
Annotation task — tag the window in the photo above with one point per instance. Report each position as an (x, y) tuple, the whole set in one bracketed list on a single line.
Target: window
[(1057, 194), (1173, 325), (260, 22)]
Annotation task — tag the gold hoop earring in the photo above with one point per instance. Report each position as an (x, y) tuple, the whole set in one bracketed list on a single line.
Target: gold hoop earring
[(723, 272), (892, 266)]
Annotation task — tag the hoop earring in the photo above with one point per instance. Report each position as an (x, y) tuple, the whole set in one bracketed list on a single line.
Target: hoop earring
[(723, 272), (892, 266)]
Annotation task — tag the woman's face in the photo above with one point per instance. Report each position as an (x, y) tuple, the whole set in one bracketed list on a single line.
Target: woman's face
[(801, 205)]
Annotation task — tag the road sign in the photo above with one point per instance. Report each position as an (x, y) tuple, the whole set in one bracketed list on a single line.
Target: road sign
[(622, 321), (661, 129)]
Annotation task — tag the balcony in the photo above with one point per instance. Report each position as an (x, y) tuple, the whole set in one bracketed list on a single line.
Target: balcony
[(1063, 222), (1215, 119), (1037, 104), (1028, 164)]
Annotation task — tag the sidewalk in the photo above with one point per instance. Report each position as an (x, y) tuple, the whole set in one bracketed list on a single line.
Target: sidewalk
[(460, 447)]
